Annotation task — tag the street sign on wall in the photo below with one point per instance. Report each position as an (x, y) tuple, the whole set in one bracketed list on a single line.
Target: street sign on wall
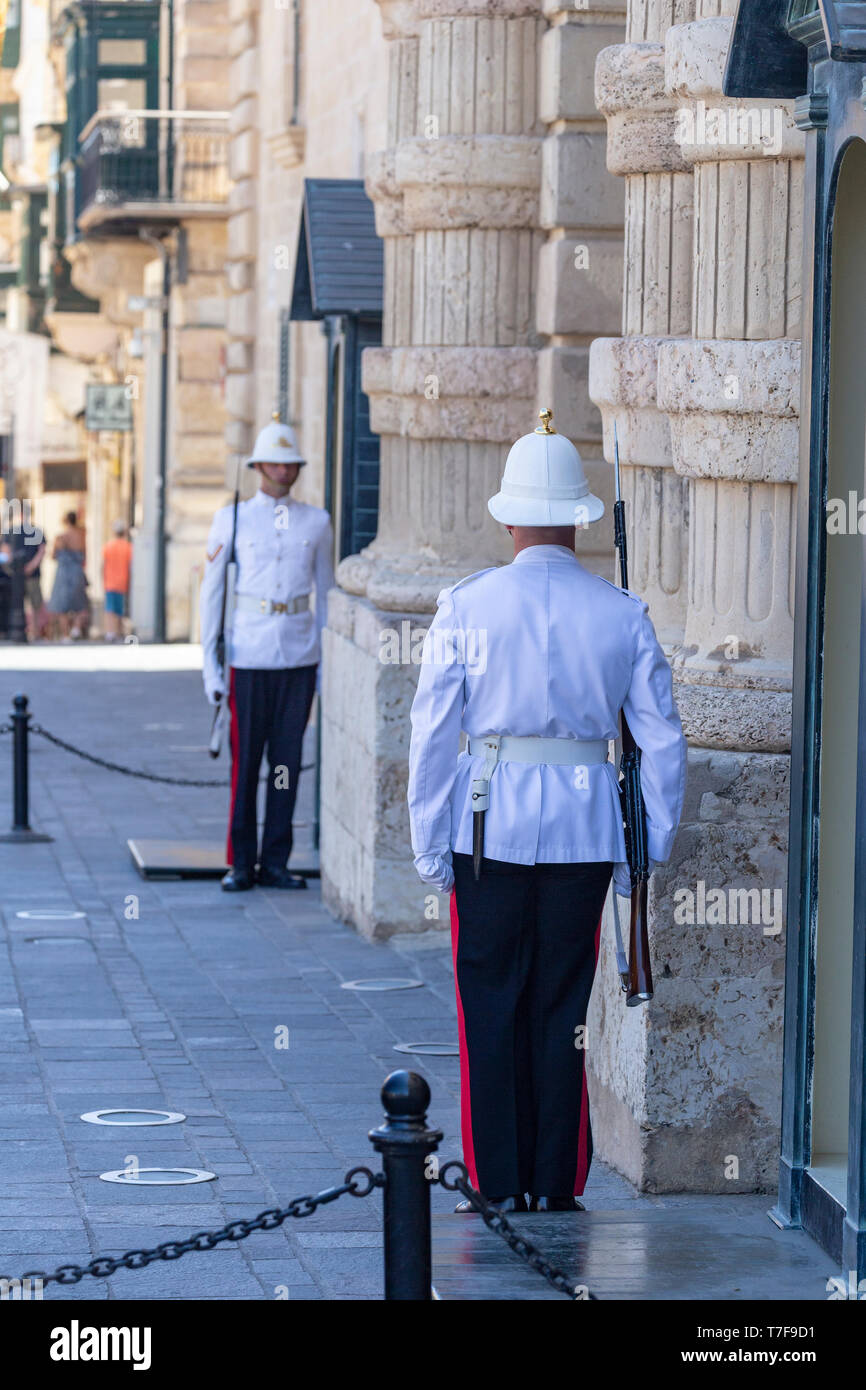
[(107, 407)]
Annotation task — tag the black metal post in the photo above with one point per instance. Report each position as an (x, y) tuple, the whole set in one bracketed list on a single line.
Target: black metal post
[(405, 1142), (21, 832)]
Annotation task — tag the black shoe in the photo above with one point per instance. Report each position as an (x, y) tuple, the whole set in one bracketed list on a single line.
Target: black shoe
[(555, 1204), (280, 878), (503, 1204), (237, 881)]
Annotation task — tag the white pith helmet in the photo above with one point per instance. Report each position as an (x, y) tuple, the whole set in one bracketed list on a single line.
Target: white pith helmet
[(544, 483), (276, 443)]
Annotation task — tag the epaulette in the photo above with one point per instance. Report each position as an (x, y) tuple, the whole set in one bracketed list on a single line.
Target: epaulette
[(627, 593), (469, 577)]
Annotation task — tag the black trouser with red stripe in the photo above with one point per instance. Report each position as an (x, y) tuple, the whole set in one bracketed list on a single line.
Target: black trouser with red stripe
[(525, 941), (269, 709)]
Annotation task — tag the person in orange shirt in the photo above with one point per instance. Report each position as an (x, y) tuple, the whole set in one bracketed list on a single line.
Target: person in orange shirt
[(116, 565)]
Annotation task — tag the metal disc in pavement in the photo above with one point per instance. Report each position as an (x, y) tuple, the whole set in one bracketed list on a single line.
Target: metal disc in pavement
[(157, 1177), (133, 1117), (429, 1049), (49, 915), (379, 986), (57, 941)]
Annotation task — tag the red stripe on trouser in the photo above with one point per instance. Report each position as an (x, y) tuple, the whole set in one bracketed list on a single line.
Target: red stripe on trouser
[(582, 1173), (234, 740), (465, 1097)]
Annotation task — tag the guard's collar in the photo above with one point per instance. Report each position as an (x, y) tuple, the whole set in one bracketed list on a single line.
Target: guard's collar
[(263, 499), (544, 552)]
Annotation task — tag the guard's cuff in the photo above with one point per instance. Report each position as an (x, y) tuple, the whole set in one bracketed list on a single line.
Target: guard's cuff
[(659, 843), (431, 836)]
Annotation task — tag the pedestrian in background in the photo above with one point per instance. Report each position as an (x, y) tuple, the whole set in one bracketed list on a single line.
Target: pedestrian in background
[(116, 566), (5, 582), (37, 618), (68, 599)]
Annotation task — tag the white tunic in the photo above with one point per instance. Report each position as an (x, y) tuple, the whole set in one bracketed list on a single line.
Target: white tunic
[(284, 550), (540, 647)]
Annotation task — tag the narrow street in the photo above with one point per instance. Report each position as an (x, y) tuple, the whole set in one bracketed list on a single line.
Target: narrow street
[(171, 995)]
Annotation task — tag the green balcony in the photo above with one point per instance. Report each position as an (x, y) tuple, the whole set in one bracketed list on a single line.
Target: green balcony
[(154, 165)]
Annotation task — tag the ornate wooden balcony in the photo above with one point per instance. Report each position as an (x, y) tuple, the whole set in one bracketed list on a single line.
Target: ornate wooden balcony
[(153, 165)]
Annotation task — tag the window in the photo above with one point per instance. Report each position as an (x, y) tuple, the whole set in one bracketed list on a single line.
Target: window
[(125, 52)]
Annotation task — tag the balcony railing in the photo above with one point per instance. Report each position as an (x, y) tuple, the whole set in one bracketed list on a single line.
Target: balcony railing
[(176, 159)]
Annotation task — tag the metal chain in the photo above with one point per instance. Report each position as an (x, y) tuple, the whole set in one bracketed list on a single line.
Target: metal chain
[(104, 1265), (495, 1220), (128, 771), (5, 728)]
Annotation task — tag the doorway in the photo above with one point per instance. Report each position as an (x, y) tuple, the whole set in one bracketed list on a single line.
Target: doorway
[(830, 1070)]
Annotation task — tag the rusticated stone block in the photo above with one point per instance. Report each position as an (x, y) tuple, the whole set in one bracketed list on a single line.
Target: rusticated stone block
[(567, 57), (563, 374), (576, 189), (579, 285)]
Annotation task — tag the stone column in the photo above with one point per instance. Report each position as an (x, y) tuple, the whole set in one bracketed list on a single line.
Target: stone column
[(657, 288), (688, 1093), (457, 202), (456, 195), (731, 393)]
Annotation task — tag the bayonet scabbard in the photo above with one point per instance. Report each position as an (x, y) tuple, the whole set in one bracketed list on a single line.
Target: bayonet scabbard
[(480, 803), (477, 842)]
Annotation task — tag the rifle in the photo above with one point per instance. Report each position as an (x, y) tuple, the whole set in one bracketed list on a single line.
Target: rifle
[(636, 972), (221, 713)]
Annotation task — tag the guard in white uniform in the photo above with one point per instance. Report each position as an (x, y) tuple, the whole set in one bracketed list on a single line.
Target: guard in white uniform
[(283, 551), (533, 662)]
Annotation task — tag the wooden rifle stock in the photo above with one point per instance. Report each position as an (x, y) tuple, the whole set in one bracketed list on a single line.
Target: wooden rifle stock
[(640, 975)]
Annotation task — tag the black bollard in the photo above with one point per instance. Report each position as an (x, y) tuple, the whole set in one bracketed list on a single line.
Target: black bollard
[(20, 832), (404, 1141)]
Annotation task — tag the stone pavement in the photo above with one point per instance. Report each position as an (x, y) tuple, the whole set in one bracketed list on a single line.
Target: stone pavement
[(172, 995)]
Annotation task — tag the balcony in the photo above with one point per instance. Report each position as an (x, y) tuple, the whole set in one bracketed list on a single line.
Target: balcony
[(167, 166)]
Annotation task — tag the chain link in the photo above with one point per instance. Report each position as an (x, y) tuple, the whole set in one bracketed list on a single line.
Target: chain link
[(127, 771), (118, 767), (104, 1265), (495, 1220)]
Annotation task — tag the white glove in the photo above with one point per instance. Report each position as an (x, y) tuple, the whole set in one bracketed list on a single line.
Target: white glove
[(436, 870), (214, 689)]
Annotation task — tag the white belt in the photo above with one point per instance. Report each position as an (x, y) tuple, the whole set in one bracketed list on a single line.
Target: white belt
[(572, 752), (248, 603)]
